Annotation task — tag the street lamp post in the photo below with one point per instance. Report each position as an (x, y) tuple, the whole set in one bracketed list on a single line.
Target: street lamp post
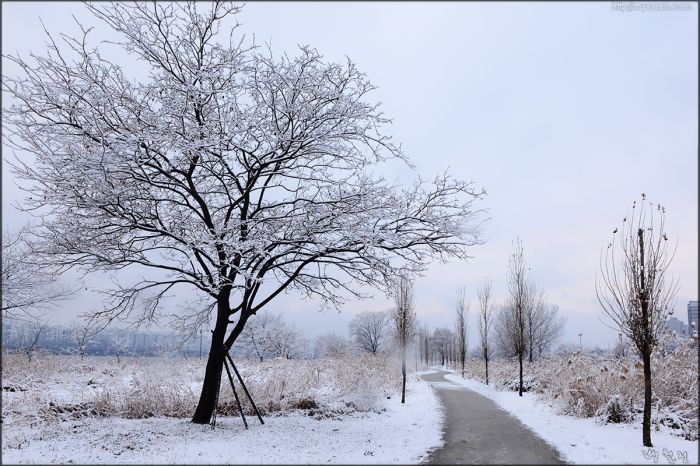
[(622, 346)]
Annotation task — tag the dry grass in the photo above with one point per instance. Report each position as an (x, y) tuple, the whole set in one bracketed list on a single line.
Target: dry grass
[(609, 389), (52, 388)]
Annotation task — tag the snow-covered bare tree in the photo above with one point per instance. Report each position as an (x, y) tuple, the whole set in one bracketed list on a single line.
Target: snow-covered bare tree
[(332, 345), (485, 323), (286, 340), (461, 327), (634, 288), (423, 343), (269, 335), (29, 333), (544, 327), (120, 344), (512, 320), (83, 332), (239, 174), (441, 340), (27, 288), (404, 318), (369, 330), (255, 338), (532, 321)]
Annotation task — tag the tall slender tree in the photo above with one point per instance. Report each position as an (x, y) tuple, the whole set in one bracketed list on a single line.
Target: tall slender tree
[(634, 288), (424, 343), (485, 321), (461, 327), (404, 324), (514, 314)]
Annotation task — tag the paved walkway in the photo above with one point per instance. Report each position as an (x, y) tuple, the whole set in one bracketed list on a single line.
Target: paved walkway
[(477, 431)]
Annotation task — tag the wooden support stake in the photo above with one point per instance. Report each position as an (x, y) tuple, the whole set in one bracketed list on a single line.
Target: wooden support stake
[(235, 394), (245, 389)]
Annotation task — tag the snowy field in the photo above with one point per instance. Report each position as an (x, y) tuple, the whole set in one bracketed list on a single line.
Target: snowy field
[(353, 421), (63, 409), (587, 441)]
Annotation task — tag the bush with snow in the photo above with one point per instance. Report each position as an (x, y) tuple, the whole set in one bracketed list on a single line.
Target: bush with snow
[(609, 388), (52, 388)]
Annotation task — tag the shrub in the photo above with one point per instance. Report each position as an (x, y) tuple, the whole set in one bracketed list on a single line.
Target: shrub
[(608, 388), (51, 388)]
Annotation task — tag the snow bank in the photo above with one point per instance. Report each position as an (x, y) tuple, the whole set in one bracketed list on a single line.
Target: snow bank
[(609, 388), (586, 441)]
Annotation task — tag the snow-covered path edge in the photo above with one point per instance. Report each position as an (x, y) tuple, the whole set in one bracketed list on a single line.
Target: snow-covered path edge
[(583, 441), (403, 434)]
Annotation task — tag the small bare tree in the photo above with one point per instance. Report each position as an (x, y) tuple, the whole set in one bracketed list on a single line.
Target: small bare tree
[(286, 340), (514, 317), (332, 345), (120, 344), (255, 338), (440, 342), (485, 321), (29, 336), (545, 326), (404, 323), (634, 288), (461, 327), (82, 333), (368, 330)]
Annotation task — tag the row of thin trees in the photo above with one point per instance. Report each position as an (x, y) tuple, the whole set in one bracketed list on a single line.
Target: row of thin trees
[(524, 326), (634, 288)]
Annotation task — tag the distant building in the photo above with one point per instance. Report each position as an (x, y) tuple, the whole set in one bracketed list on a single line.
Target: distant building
[(677, 326), (692, 317)]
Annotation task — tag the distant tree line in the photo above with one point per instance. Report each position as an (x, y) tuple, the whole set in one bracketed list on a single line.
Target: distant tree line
[(30, 336)]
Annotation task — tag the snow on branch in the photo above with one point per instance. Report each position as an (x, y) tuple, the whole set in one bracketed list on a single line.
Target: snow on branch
[(225, 170)]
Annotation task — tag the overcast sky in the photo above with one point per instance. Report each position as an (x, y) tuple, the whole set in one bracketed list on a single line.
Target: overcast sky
[(564, 113)]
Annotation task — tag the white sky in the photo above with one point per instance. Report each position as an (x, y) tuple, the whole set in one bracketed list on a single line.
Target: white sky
[(564, 113)]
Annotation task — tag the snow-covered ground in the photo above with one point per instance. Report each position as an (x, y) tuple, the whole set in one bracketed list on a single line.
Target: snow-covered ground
[(400, 434), (585, 441)]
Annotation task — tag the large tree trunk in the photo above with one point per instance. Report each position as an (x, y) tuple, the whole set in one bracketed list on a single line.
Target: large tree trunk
[(646, 422), (215, 363), (520, 387)]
